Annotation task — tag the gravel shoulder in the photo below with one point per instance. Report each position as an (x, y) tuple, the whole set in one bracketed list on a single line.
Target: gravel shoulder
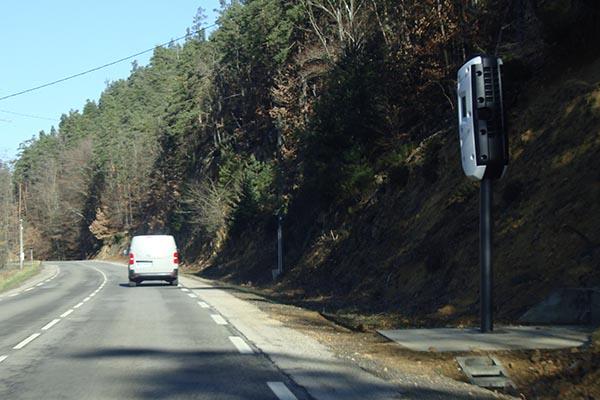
[(417, 375)]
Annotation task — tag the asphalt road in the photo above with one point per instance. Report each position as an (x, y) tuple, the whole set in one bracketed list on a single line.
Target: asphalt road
[(82, 333)]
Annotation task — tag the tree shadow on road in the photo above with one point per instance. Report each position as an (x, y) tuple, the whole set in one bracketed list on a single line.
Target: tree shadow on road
[(211, 375)]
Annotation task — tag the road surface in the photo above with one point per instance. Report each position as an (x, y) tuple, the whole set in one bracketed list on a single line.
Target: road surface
[(82, 333), (78, 331)]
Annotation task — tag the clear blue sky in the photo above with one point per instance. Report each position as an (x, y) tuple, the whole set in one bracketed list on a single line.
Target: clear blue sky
[(43, 41)]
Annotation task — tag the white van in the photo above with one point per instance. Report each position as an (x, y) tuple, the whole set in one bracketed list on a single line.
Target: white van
[(153, 258)]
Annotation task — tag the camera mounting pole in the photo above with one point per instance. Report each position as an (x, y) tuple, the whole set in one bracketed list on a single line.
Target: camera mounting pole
[(484, 154), (485, 254)]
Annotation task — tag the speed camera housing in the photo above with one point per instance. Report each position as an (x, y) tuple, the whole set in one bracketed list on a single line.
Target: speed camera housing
[(483, 141)]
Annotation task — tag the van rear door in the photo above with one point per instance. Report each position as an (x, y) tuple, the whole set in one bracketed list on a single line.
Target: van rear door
[(154, 254)]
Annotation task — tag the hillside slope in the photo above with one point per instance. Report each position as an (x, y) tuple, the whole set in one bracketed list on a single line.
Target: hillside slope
[(344, 127), (410, 249)]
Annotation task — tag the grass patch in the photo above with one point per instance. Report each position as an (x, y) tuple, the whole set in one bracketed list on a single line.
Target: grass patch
[(13, 277)]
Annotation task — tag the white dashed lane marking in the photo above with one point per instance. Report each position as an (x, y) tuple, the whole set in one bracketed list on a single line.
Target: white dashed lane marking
[(192, 295), (242, 346), (26, 341), (281, 391), (55, 321), (218, 319), (51, 324), (203, 304), (185, 290)]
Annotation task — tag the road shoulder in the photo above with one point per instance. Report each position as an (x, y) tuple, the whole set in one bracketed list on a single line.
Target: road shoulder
[(316, 354), (45, 271)]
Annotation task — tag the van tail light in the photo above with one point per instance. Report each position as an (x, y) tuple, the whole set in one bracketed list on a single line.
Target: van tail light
[(176, 258), (131, 259)]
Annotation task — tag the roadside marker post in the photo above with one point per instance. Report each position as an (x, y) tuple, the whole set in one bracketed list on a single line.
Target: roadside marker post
[(279, 267), (484, 154)]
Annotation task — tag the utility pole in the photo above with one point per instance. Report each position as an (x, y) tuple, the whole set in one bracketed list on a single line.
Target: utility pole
[(21, 253)]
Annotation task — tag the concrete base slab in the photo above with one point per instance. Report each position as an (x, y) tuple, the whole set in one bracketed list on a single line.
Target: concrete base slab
[(503, 338)]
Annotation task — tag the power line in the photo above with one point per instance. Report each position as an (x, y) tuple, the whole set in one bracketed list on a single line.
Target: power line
[(28, 115), (104, 65)]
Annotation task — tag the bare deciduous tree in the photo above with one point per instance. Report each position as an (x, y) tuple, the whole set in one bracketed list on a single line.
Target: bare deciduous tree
[(209, 206), (346, 18), (8, 216)]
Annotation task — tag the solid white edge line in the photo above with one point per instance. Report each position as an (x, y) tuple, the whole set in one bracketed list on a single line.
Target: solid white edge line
[(66, 313), (2, 358), (203, 304), (86, 299), (40, 284), (51, 324), (241, 345), (78, 305), (14, 294), (218, 319), (281, 391), (28, 289), (26, 341)]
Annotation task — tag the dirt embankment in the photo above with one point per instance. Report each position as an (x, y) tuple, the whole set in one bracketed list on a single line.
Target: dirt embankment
[(408, 254)]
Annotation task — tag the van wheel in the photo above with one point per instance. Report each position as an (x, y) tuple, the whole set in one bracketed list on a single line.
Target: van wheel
[(132, 283), (175, 282)]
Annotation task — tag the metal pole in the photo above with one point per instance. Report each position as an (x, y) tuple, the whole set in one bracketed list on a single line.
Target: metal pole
[(280, 200), (485, 254), (279, 244), (21, 252)]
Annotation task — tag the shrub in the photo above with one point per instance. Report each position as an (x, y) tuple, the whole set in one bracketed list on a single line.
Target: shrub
[(257, 191)]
